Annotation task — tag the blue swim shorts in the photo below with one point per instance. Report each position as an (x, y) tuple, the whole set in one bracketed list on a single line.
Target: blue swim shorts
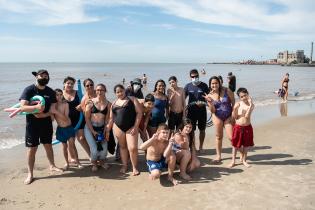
[(63, 134), (157, 165)]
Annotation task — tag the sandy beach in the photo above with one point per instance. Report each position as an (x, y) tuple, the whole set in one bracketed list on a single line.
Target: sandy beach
[(281, 177)]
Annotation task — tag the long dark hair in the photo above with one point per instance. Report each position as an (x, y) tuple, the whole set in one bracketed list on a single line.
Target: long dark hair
[(155, 86), (187, 121), (220, 85)]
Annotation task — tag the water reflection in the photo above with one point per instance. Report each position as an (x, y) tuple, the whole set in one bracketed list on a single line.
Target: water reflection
[(283, 109)]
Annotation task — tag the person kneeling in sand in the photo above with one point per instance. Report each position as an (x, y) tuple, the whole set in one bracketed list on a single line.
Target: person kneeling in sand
[(181, 149), (159, 154), (242, 137), (65, 132)]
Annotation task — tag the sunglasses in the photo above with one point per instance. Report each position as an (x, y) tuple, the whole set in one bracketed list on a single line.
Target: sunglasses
[(100, 90), (89, 85), (194, 76)]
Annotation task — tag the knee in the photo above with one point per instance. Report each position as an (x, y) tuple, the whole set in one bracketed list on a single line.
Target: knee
[(122, 146), (196, 163), (133, 149), (219, 136), (155, 174)]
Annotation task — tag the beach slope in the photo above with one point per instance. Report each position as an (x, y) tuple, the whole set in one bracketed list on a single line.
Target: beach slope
[(281, 177)]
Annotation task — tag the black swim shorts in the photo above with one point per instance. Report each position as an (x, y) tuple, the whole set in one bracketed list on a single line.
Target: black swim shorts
[(38, 132)]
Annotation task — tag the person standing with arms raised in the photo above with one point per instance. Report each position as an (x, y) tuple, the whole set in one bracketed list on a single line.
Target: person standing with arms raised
[(197, 113), (39, 128)]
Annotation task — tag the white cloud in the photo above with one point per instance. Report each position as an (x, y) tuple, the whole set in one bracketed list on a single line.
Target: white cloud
[(45, 12), (287, 15)]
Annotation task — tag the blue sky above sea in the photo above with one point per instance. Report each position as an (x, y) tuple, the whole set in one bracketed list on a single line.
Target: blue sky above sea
[(153, 31)]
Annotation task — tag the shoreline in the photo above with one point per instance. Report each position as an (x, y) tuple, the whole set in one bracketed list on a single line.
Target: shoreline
[(283, 156)]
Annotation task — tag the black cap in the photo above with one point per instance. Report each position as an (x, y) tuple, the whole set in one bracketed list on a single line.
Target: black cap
[(136, 81), (41, 71)]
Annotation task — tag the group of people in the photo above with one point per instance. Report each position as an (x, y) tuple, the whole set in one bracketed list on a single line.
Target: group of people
[(162, 119)]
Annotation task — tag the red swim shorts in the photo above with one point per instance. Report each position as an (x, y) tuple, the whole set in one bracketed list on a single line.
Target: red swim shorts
[(242, 136)]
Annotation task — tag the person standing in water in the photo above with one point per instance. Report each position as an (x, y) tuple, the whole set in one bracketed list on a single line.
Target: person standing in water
[(231, 82), (144, 79), (285, 87)]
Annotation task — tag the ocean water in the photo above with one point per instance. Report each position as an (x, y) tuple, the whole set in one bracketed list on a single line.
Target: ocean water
[(260, 80)]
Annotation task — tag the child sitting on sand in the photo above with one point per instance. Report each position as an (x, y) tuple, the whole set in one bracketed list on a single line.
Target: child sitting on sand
[(181, 149), (159, 154), (65, 132), (243, 136)]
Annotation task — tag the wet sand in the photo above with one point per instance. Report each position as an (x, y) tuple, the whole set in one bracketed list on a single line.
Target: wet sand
[(281, 177)]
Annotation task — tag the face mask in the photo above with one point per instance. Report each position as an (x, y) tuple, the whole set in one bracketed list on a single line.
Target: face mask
[(195, 80), (42, 82), (136, 87)]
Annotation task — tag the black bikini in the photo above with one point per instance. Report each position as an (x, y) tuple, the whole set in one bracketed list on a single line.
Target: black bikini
[(96, 110), (125, 116)]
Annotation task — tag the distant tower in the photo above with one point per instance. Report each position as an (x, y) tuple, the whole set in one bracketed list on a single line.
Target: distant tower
[(311, 53)]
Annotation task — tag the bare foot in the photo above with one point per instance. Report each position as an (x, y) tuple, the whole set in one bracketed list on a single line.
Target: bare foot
[(72, 161), (28, 180), (94, 168), (54, 168), (135, 172), (231, 165), (246, 164), (65, 167), (123, 169), (172, 180), (185, 176), (217, 160), (105, 166)]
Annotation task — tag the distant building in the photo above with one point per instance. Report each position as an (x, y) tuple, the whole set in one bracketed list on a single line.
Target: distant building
[(287, 58), (271, 61)]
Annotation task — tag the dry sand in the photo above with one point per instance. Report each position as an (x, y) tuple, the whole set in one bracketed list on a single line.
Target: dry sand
[(282, 176)]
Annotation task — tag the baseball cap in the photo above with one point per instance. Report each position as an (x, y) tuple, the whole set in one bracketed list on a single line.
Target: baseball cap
[(41, 71)]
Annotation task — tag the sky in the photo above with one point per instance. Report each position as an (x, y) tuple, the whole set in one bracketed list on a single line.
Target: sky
[(175, 31)]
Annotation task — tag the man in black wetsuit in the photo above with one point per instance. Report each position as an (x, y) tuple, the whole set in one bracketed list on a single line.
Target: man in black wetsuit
[(39, 127), (231, 81)]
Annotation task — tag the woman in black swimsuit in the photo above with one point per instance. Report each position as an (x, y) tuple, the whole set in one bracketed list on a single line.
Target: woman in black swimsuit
[(71, 96), (96, 117), (125, 118), (285, 87)]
